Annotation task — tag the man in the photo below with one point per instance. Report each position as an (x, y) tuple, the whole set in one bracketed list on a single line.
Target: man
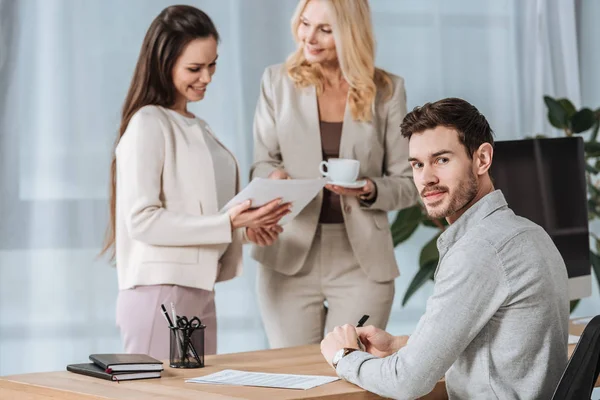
[(497, 322)]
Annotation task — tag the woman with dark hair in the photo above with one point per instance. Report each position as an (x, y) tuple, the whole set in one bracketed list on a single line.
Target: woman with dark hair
[(170, 176)]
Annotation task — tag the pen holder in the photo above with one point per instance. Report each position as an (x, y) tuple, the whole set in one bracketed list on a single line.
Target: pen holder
[(187, 347)]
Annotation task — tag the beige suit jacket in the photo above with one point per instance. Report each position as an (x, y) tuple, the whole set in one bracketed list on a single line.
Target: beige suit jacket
[(169, 230), (287, 136)]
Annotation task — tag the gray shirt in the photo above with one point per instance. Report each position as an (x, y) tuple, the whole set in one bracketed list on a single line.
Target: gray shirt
[(497, 322)]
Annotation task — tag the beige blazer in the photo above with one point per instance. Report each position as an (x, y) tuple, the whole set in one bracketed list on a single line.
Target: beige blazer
[(287, 136), (169, 230)]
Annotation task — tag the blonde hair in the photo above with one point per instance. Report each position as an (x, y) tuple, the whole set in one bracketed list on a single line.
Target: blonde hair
[(355, 46)]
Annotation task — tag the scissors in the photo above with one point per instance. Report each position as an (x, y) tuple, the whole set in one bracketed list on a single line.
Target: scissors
[(184, 323), (188, 326)]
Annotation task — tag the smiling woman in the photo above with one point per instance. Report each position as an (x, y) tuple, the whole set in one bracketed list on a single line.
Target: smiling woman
[(193, 71), (170, 177), (335, 261)]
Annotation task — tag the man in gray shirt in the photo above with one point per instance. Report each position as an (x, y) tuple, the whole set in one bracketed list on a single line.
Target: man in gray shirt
[(497, 322)]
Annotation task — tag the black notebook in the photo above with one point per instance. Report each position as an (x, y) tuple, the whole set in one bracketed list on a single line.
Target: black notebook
[(91, 369), (126, 362)]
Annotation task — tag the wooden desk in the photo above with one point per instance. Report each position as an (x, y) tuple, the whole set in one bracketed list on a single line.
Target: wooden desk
[(297, 360)]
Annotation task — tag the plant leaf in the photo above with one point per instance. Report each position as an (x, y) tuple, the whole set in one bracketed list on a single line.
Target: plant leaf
[(557, 115), (431, 223), (573, 305), (595, 260), (582, 120), (590, 169), (591, 209), (429, 252), (406, 222), (554, 122), (423, 275), (568, 107), (592, 149)]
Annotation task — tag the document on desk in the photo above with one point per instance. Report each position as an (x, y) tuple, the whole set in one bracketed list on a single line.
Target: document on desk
[(573, 339), (299, 192), (261, 379), (582, 321)]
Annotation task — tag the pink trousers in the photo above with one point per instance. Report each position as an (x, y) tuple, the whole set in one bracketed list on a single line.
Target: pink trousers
[(143, 326)]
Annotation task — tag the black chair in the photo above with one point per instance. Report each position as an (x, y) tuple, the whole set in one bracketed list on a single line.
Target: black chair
[(577, 382)]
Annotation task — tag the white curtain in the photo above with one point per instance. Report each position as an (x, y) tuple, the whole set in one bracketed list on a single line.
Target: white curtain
[(65, 66), (548, 60)]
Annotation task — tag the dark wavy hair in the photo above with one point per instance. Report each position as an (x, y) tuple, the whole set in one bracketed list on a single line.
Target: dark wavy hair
[(472, 127)]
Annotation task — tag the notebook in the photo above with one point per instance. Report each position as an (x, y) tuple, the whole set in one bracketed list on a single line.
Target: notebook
[(91, 369), (126, 362)]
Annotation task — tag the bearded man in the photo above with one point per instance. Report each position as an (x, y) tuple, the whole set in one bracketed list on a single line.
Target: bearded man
[(496, 324)]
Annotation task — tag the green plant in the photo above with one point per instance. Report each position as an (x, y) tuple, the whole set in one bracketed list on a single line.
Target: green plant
[(562, 115), (406, 223)]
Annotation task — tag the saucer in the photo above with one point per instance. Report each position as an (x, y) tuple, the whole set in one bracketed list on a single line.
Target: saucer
[(349, 185)]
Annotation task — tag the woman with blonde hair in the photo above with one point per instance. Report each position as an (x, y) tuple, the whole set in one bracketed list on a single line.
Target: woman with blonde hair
[(335, 261)]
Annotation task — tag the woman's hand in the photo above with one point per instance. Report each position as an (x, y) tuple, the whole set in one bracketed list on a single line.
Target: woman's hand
[(279, 174), (264, 236), (242, 216), (368, 190)]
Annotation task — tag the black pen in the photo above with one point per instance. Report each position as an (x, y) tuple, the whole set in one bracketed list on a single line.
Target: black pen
[(166, 314), (362, 321)]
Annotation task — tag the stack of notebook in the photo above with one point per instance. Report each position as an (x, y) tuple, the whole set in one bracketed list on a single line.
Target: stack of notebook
[(119, 367)]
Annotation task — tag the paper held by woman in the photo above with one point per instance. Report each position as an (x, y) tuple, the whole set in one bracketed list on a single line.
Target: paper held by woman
[(298, 192)]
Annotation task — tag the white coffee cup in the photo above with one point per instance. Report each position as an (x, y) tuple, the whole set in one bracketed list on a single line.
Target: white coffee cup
[(341, 170)]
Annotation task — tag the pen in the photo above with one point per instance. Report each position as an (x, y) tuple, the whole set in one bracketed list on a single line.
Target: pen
[(174, 313), (362, 321), (166, 314)]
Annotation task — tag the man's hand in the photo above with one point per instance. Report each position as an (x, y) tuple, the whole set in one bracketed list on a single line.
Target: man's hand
[(380, 343), (264, 236), (341, 337)]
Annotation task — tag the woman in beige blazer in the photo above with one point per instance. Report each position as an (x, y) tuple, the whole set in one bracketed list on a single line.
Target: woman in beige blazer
[(335, 261), (170, 177)]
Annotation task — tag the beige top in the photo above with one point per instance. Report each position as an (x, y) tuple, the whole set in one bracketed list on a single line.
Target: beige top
[(224, 165), (168, 226), (286, 136)]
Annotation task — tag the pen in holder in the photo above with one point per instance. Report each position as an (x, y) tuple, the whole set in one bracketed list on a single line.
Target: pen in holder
[(187, 343)]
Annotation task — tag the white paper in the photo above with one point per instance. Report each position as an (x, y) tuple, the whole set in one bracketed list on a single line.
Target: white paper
[(573, 339), (582, 321), (299, 192), (283, 381)]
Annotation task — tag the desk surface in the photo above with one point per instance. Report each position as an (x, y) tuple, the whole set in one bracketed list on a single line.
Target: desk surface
[(297, 360)]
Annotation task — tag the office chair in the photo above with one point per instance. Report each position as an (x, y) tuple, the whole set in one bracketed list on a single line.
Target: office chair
[(577, 382)]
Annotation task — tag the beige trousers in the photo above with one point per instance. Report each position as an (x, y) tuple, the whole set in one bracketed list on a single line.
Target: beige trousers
[(143, 327), (293, 307)]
